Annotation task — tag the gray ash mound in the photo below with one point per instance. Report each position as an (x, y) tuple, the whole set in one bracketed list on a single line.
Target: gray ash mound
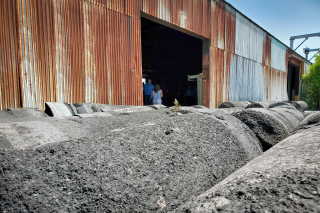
[(135, 167), (267, 127), (286, 178)]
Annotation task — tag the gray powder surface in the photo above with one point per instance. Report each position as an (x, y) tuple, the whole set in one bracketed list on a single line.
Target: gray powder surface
[(290, 116), (265, 124), (286, 178), (240, 104), (259, 104), (143, 165), (9, 114), (313, 118)]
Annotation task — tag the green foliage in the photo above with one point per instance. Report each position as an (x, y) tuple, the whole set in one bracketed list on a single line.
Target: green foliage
[(176, 106), (312, 81)]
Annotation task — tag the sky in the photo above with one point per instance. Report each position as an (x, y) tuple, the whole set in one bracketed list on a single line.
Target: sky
[(285, 18)]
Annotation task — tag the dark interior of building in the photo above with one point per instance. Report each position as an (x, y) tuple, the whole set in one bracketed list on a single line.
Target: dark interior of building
[(168, 57), (293, 81)]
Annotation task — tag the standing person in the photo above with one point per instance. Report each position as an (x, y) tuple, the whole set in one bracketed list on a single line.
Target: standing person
[(191, 96), (148, 88), (164, 89), (144, 98), (157, 95)]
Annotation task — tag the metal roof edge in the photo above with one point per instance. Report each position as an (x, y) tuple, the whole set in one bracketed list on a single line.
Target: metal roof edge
[(264, 30)]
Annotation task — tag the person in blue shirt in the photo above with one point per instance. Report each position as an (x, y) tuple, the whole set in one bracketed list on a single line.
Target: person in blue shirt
[(147, 89)]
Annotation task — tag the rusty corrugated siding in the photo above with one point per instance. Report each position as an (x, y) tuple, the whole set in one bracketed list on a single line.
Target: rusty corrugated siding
[(230, 28), (278, 55), (217, 74), (266, 58), (214, 24), (275, 84), (90, 51), (206, 18), (193, 15), (9, 56), (71, 51)]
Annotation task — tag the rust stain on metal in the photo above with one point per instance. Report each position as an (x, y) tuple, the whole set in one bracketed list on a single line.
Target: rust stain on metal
[(197, 16), (206, 75), (214, 24), (206, 17), (230, 28), (266, 57), (221, 24)]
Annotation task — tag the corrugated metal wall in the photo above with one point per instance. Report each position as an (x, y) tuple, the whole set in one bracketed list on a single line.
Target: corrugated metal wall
[(90, 51), (278, 55), (9, 56), (70, 51)]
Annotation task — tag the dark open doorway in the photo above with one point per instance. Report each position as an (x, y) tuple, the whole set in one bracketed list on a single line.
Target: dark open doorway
[(293, 82), (168, 57)]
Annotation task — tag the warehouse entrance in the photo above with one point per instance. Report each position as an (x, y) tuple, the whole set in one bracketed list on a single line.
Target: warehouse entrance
[(172, 59), (293, 82)]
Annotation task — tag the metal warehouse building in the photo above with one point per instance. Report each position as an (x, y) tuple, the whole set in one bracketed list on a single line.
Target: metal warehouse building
[(94, 51)]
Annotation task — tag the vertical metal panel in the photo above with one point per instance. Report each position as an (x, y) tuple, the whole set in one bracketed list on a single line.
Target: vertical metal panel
[(240, 68), (245, 79), (35, 34), (188, 14), (276, 84), (278, 55), (193, 15), (259, 78), (178, 17), (164, 10), (220, 76), (242, 43), (230, 28), (214, 24), (9, 73), (233, 91), (207, 75), (132, 8), (226, 78), (251, 83), (221, 24), (197, 16), (217, 74), (256, 43), (212, 74), (266, 58), (249, 39), (206, 7)]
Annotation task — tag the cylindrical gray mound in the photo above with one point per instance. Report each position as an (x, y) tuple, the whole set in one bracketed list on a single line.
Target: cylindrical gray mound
[(240, 104), (303, 105), (268, 128), (286, 104), (284, 179), (311, 119), (290, 116), (146, 167), (259, 104)]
